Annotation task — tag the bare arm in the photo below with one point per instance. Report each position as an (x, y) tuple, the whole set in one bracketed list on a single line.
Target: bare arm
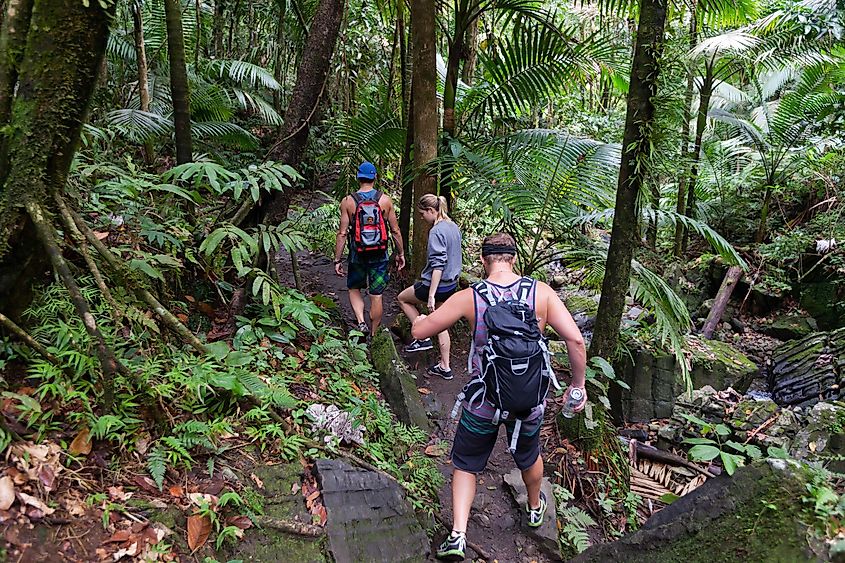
[(436, 275), (457, 306), (560, 320), (342, 233), (393, 221)]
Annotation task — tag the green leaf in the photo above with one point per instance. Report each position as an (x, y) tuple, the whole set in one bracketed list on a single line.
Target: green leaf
[(722, 430), (696, 441), (144, 266), (777, 453), (668, 498), (218, 350), (238, 359), (704, 452), (731, 462)]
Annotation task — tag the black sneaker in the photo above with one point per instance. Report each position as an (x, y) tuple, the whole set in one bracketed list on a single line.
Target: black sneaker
[(535, 515), (419, 346), (437, 369), (453, 547)]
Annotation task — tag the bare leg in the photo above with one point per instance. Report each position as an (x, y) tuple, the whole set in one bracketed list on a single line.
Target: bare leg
[(533, 477), (408, 301), (375, 312), (463, 491), (357, 302), (445, 347)]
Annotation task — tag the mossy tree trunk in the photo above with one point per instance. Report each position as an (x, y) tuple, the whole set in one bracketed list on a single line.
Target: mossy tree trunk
[(304, 101), (424, 93), (61, 52), (637, 142), (681, 204), (178, 81)]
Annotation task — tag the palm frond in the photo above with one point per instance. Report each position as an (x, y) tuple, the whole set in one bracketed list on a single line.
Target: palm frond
[(241, 73), (224, 132), (139, 126)]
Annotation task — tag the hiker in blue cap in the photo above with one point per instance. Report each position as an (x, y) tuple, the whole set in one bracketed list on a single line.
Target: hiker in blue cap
[(365, 218)]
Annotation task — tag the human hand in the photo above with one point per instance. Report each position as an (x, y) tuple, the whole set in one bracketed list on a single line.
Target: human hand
[(431, 303), (579, 407), (338, 268), (400, 262)]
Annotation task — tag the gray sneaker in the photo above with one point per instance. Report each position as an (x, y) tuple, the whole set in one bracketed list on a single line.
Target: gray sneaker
[(437, 369), (419, 346)]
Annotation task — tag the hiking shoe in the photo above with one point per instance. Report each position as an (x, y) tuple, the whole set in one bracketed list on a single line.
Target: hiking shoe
[(362, 327), (453, 547), (419, 346), (437, 369), (535, 515)]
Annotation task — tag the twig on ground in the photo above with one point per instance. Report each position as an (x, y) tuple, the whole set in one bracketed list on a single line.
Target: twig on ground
[(768, 422)]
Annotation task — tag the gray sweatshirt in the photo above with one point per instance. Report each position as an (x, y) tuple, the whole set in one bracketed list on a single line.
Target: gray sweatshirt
[(444, 253)]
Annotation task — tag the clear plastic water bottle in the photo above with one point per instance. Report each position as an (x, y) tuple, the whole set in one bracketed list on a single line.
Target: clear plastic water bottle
[(576, 395)]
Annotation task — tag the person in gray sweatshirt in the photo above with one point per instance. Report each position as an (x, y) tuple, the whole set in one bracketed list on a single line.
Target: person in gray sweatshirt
[(439, 278)]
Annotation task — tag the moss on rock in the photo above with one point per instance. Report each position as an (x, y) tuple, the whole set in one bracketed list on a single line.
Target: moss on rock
[(720, 365)]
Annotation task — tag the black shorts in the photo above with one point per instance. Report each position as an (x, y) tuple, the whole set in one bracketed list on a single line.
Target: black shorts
[(421, 290), (475, 438)]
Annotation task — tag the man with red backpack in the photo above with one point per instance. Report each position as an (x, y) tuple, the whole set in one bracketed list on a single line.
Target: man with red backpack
[(365, 218)]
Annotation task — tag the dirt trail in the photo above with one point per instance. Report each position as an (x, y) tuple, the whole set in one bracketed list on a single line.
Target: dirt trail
[(495, 519)]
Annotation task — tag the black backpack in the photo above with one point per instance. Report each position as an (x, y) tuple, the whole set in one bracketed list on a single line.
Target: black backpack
[(516, 368)]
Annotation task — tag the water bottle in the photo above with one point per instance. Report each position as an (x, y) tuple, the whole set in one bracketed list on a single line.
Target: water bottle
[(576, 395)]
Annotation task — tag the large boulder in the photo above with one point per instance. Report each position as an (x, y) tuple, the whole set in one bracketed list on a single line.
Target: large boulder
[(754, 516), (655, 379), (790, 327), (396, 383), (805, 371), (825, 301)]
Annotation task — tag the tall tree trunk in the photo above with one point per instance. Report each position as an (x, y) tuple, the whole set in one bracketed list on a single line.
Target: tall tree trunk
[(304, 100), (406, 202), (681, 204), (143, 86), (636, 145), (278, 64), (424, 93), (178, 81), (470, 52), (64, 47), (721, 301), (700, 124), (760, 236), (217, 29)]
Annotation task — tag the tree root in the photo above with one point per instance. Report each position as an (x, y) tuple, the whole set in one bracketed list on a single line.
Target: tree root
[(28, 340), (108, 361), (168, 318), (292, 527)]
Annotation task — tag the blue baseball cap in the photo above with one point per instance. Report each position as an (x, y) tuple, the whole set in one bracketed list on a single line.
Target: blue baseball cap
[(367, 171)]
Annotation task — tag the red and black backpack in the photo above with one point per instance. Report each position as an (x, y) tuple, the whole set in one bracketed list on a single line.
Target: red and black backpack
[(369, 230)]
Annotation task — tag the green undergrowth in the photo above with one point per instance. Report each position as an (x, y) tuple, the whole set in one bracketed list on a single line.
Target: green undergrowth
[(176, 409)]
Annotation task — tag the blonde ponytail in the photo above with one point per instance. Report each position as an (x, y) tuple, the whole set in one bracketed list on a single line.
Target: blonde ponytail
[(438, 203)]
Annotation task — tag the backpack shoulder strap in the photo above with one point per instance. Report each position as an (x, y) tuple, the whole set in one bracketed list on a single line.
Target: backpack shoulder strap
[(356, 197), (482, 289), (523, 288)]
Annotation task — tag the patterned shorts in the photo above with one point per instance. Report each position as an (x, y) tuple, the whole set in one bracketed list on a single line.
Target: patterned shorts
[(374, 275), (476, 436)]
